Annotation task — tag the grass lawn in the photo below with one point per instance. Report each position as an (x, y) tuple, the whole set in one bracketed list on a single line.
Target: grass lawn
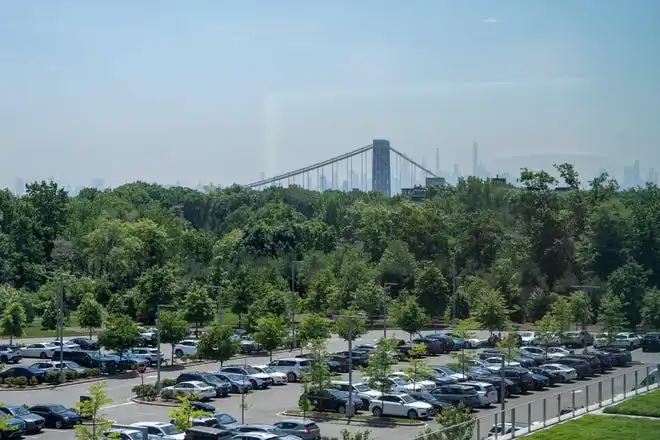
[(34, 330), (591, 427), (645, 405)]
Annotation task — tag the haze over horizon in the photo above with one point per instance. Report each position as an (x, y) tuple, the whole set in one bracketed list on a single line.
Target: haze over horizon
[(220, 92)]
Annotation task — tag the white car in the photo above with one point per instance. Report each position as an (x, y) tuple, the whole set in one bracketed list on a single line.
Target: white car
[(528, 338), (472, 343), (162, 430), (199, 389), (151, 354), (426, 385), (559, 352), (400, 405), (67, 345), (398, 385), (567, 374), (601, 340), (632, 339), (360, 389), (442, 371), (42, 350), (486, 392), (536, 351), (495, 363), (278, 377), (187, 347)]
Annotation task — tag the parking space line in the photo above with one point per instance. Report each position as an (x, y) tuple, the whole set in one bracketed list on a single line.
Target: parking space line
[(117, 405)]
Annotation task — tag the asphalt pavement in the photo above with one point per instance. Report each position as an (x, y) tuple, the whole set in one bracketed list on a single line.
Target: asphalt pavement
[(265, 406)]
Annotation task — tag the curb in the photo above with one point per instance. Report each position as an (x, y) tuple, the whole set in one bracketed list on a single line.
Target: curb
[(84, 423), (153, 403), (373, 422), (52, 387)]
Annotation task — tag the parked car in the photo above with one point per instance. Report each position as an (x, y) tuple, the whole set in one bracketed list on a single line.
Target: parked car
[(86, 344), (443, 371), (239, 383), (437, 404), (632, 339), (398, 385), (566, 373), (458, 393), (420, 385), (496, 362), (495, 379), (197, 432), (594, 362), (606, 359), (187, 347), (358, 357), (553, 376), (222, 388), (43, 350), (55, 366), (359, 389), (538, 354), (303, 429), (66, 345), (400, 405), (558, 352), (14, 428), (292, 367), (581, 367), (527, 338), (651, 342), (601, 340), (8, 354), (259, 380), (153, 355), (264, 429), (578, 339), (246, 344), (621, 355), (521, 378), (332, 399), (486, 392), (278, 377), (162, 430), (540, 381), (21, 371), (57, 416), (124, 434), (34, 423), (435, 345), (91, 359), (193, 388)]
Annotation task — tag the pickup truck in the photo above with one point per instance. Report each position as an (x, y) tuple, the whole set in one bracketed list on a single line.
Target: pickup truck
[(10, 354)]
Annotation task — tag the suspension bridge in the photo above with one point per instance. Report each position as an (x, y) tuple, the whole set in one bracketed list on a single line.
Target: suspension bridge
[(374, 167)]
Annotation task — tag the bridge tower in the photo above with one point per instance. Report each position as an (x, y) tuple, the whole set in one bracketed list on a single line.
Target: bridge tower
[(380, 167)]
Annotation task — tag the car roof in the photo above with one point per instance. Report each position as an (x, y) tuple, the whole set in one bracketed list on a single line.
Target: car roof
[(297, 421), (476, 382), (150, 424)]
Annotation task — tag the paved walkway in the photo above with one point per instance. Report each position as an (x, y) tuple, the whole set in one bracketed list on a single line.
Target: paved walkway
[(601, 413)]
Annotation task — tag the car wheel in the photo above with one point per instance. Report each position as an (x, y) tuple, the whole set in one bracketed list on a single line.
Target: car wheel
[(178, 353), (291, 377), (341, 409), (365, 403), (43, 355), (412, 415), (377, 412), (59, 424), (4, 359)]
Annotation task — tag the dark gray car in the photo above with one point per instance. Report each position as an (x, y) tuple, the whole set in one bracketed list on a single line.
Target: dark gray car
[(304, 429), (33, 422)]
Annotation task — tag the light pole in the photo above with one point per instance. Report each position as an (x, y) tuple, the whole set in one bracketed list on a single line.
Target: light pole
[(158, 325), (350, 407), (502, 393), (293, 303), (59, 302), (218, 291), (388, 287)]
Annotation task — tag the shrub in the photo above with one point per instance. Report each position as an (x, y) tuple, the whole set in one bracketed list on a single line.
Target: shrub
[(167, 394), (71, 375), (9, 381), (33, 381), (52, 377), (146, 391), (168, 382), (21, 381), (2, 381), (92, 372)]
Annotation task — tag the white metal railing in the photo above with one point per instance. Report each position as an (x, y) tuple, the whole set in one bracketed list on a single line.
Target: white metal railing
[(574, 400)]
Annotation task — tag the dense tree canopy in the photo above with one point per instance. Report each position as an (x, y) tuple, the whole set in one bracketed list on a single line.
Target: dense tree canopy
[(527, 246)]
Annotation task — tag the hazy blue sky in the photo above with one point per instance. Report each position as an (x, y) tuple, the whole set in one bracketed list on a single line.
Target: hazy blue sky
[(219, 91)]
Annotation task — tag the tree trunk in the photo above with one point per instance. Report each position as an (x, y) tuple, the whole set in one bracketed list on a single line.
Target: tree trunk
[(11, 339), (90, 332), (171, 354), (270, 356)]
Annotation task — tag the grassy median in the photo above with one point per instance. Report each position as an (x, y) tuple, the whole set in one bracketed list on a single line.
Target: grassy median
[(645, 405), (592, 427)]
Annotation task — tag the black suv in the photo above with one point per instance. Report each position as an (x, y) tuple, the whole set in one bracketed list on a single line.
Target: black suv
[(89, 359), (651, 342), (521, 377), (86, 344), (435, 345), (582, 367), (222, 388)]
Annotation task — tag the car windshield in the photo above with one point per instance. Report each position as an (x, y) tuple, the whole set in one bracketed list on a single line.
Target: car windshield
[(361, 388), (398, 381), (571, 335), (268, 370), (211, 378), (224, 419), (19, 411), (170, 430), (445, 370), (137, 435), (525, 334), (252, 370), (70, 364), (58, 408), (407, 399)]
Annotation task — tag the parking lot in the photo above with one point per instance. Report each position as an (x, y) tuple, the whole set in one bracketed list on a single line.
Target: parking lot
[(265, 406)]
